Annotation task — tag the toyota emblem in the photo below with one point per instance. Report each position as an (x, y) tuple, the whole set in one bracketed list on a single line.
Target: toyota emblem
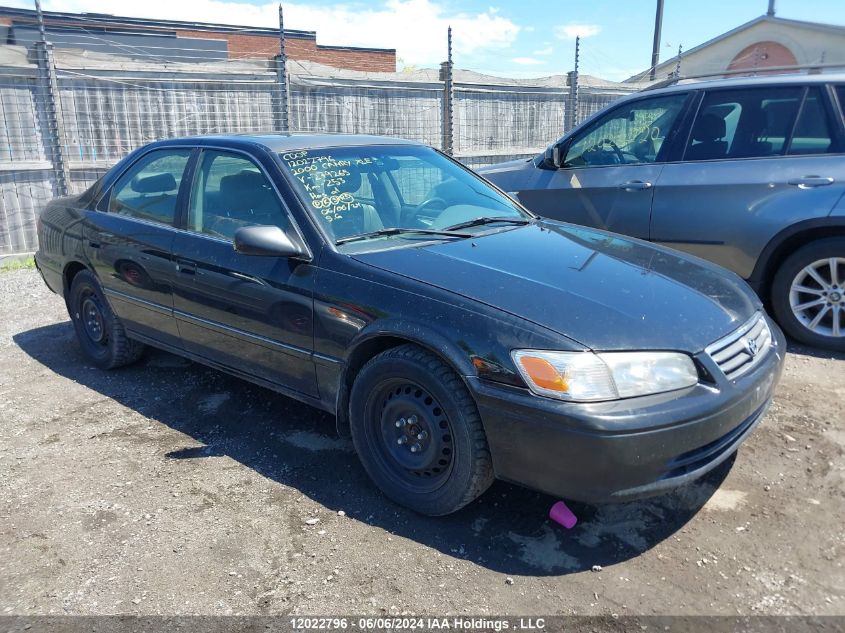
[(751, 347)]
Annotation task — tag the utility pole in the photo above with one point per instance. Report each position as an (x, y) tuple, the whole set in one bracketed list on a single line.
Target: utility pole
[(50, 87), (282, 76), (572, 115), (655, 47)]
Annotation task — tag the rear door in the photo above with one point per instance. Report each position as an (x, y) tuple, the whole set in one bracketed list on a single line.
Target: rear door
[(757, 161), (610, 169), (254, 314), (128, 241)]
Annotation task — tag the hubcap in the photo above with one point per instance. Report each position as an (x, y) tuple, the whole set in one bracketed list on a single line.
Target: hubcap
[(414, 436), (817, 297), (92, 319)]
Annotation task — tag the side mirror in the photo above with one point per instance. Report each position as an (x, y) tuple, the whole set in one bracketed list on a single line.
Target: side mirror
[(265, 241), (553, 158)]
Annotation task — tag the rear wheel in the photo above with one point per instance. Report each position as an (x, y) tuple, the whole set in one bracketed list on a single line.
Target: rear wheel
[(417, 432), (99, 332), (808, 294)]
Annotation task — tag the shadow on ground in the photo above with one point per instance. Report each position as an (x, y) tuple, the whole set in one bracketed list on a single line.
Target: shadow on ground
[(507, 530), (816, 352)]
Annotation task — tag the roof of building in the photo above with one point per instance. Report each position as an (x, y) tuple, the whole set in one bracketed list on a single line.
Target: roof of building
[(112, 22), (771, 19)]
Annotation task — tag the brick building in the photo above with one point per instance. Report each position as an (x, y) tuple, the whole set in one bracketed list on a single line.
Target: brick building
[(182, 41)]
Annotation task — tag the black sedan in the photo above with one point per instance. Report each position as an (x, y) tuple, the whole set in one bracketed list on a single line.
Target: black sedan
[(456, 336)]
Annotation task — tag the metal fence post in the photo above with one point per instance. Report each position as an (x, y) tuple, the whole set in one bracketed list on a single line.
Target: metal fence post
[(447, 126), (677, 73), (282, 78), (572, 114), (50, 88)]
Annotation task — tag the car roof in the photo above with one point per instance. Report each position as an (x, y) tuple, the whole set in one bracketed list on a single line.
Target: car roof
[(288, 142), (740, 82)]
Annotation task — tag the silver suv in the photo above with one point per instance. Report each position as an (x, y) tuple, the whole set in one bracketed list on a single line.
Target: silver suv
[(748, 173)]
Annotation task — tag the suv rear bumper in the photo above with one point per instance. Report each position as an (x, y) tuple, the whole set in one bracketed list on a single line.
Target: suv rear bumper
[(615, 451)]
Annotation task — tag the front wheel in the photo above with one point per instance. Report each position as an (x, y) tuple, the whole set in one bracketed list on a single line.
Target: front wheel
[(808, 294), (417, 432), (98, 330)]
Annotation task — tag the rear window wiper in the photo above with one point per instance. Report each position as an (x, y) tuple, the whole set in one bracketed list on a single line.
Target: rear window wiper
[(396, 230), (486, 220)]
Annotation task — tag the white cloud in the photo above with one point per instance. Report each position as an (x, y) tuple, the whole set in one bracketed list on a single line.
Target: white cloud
[(571, 31), (526, 61), (548, 50), (415, 28)]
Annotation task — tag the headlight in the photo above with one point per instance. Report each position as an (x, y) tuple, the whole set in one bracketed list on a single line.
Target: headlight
[(584, 376)]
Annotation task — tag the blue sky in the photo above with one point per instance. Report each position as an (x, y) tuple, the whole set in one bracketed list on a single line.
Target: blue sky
[(524, 38), (622, 44)]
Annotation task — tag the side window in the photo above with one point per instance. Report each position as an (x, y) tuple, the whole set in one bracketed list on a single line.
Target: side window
[(743, 123), (148, 190), (229, 192), (630, 134), (812, 133)]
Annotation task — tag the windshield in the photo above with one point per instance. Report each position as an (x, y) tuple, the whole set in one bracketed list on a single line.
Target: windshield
[(361, 191)]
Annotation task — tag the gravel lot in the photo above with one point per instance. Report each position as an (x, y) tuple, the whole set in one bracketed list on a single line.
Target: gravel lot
[(169, 488)]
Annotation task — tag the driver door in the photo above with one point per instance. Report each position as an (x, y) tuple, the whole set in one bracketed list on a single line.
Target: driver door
[(610, 168)]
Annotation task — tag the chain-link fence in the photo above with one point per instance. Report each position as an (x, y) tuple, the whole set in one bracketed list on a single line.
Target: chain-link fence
[(69, 114)]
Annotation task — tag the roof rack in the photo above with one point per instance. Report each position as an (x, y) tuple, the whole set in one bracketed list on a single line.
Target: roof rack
[(663, 83), (811, 69)]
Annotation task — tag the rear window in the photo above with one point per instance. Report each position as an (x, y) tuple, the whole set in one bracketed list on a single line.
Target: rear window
[(743, 123)]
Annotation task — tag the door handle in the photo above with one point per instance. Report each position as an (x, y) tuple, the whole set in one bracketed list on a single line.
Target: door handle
[(186, 266), (635, 185), (249, 278), (93, 244), (809, 182)]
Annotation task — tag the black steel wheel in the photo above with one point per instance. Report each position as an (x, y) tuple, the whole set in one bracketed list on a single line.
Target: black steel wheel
[(99, 332), (417, 431), (411, 435)]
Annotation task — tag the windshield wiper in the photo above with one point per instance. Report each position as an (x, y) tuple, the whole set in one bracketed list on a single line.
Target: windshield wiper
[(486, 220), (397, 230)]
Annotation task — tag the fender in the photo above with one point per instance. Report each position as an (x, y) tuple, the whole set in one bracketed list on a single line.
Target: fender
[(788, 240), (393, 332)]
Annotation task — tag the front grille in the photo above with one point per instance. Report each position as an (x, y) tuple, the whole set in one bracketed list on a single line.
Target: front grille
[(741, 350)]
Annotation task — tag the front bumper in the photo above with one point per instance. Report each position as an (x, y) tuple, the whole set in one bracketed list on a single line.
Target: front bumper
[(627, 449)]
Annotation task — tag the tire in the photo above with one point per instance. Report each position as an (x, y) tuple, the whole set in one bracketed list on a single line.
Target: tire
[(99, 332), (808, 294), (443, 463)]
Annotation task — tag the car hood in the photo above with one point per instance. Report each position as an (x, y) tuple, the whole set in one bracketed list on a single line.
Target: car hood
[(602, 290)]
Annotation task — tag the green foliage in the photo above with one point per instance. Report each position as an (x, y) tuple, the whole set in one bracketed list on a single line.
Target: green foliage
[(15, 263)]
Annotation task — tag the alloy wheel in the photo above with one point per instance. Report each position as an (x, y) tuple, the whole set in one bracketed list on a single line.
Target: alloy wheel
[(817, 297)]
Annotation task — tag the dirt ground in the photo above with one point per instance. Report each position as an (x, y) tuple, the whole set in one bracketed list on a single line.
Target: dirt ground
[(169, 488)]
